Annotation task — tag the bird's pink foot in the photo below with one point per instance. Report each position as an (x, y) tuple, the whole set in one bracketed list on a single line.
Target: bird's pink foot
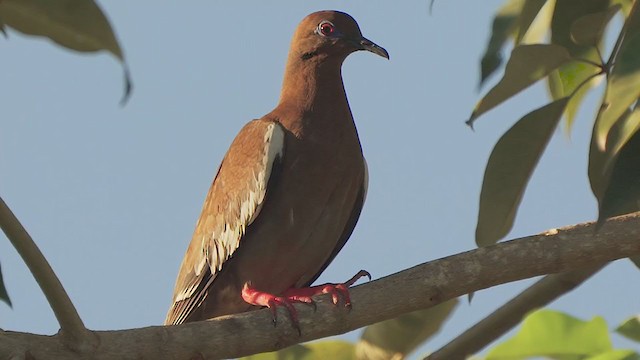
[(303, 295), (336, 290), (261, 298)]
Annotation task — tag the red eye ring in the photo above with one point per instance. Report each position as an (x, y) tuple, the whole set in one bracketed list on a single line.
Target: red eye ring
[(326, 28)]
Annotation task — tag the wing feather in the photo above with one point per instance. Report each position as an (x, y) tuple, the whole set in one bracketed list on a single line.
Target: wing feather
[(232, 204)]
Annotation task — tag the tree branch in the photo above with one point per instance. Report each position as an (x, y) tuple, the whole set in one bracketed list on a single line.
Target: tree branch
[(510, 314), (416, 288), (73, 332)]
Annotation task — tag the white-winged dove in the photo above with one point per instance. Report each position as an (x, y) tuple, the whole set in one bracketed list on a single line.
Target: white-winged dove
[(289, 190)]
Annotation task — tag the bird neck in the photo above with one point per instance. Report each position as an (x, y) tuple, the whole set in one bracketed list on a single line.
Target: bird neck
[(313, 106), (313, 85)]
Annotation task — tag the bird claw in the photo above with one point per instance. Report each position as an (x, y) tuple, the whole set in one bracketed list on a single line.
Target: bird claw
[(342, 290), (356, 277), (259, 298), (303, 295), (274, 314), (335, 290)]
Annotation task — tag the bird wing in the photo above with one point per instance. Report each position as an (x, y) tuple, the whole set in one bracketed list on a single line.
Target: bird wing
[(232, 204), (351, 224)]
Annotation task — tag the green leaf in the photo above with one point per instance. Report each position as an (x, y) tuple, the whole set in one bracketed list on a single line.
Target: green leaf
[(636, 261), (625, 128), (528, 64), (530, 10), (616, 194), (565, 15), (503, 27), (537, 31), (622, 193), (4, 296), (566, 79), (599, 172), (622, 85), (626, 5), (588, 30), (509, 169), (619, 354), (339, 350), (556, 335), (630, 328), (75, 24), (398, 337), (565, 82)]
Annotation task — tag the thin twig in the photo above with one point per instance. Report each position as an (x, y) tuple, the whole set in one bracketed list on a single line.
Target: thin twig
[(599, 55), (73, 330), (621, 36), (586, 80), (510, 314), (590, 62)]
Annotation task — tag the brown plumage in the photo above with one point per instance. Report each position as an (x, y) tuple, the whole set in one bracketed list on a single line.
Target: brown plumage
[(289, 190)]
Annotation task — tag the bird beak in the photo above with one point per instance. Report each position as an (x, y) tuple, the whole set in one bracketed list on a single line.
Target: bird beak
[(366, 44)]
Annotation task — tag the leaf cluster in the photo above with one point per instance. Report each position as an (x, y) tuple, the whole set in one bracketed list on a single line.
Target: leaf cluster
[(572, 63)]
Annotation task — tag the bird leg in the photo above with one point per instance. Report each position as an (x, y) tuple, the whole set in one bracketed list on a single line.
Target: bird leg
[(303, 295)]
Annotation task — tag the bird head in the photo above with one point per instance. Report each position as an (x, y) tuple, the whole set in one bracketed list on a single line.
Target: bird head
[(331, 34)]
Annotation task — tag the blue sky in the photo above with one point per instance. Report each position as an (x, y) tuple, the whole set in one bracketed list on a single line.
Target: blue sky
[(111, 194)]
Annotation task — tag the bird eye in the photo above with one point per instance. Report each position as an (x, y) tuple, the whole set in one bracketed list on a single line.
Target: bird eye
[(326, 28)]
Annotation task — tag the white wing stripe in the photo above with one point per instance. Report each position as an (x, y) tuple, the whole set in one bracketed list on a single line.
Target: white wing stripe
[(228, 240)]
